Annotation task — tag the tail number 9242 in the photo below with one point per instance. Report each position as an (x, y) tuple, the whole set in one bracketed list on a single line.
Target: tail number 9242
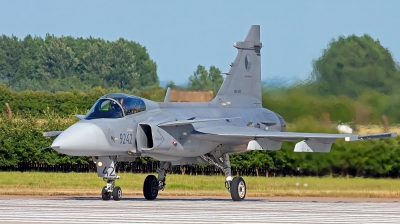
[(125, 138)]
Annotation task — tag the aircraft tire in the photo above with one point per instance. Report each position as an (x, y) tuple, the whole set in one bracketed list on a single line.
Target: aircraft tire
[(105, 195), (238, 189), (117, 193), (150, 190)]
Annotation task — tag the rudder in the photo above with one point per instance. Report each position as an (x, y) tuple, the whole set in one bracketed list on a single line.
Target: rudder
[(242, 85)]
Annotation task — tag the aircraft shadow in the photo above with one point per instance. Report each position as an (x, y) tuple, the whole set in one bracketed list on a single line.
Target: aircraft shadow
[(78, 198), (194, 199), (210, 199)]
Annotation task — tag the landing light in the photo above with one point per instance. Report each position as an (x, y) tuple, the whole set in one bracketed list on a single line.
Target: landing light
[(174, 143), (99, 163)]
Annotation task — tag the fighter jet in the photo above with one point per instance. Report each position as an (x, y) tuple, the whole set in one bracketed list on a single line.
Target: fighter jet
[(121, 127)]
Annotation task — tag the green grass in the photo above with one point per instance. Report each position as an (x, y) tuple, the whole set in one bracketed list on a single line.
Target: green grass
[(40, 183)]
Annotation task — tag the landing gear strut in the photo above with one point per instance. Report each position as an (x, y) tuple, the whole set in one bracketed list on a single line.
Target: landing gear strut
[(152, 185), (236, 186), (106, 169)]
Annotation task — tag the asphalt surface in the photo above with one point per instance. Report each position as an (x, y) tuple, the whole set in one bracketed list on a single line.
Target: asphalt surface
[(30, 209)]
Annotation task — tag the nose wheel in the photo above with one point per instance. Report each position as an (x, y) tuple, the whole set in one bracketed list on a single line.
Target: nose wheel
[(117, 193), (105, 195), (110, 191)]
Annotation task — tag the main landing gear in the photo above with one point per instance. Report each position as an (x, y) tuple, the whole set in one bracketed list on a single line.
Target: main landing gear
[(106, 169), (152, 185), (236, 186)]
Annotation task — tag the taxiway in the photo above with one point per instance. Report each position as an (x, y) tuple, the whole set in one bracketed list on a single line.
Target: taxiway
[(26, 209)]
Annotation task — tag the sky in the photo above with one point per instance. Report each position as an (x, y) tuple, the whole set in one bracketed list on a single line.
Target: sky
[(179, 34)]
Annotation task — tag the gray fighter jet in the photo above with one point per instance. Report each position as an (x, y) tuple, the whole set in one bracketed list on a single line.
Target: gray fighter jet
[(120, 127)]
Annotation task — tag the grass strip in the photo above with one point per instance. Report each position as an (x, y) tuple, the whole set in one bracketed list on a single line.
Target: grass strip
[(88, 184)]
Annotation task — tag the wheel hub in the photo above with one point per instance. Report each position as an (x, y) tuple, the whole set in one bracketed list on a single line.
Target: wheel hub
[(155, 187), (241, 189), (120, 193)]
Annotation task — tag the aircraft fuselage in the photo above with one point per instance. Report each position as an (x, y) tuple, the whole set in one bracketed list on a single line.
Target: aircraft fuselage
[(139, 133)]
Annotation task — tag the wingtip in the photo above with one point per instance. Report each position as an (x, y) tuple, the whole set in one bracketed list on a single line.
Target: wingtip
[(378, 135), (50, 147), (52, 133)]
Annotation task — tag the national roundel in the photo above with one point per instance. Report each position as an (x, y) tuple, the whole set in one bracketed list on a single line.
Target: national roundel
[(247, 63)]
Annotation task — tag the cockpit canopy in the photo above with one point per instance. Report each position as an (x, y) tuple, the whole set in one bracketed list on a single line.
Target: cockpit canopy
[(116, 105)]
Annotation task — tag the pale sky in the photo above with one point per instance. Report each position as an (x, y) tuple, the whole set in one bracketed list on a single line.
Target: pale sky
[(181, 34)]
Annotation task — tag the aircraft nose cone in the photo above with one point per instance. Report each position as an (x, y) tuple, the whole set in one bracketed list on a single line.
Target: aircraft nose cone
[(79, 139)]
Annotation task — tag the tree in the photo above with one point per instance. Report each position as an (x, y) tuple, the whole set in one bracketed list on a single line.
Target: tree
[(65, 63), (10, 54), (259, 159), (96, 63), (145, 67), (206, 80), (170, 84), (110, 64), (57, 59), (122, 66), (351, 65)]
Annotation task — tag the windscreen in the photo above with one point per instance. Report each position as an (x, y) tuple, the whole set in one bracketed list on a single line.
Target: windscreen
[(116, 107), (105, 108)]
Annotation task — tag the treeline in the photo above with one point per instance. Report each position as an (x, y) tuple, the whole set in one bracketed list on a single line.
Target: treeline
[(292, 103), (67, 63)]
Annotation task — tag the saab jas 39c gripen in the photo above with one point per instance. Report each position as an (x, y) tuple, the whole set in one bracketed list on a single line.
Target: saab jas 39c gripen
[(120, 127)]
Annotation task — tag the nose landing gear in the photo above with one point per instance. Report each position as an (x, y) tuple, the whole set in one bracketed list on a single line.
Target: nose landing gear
[(106, 169)]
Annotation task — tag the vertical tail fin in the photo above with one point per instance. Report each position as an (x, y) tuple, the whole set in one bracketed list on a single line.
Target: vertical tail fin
[(242, 85)]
